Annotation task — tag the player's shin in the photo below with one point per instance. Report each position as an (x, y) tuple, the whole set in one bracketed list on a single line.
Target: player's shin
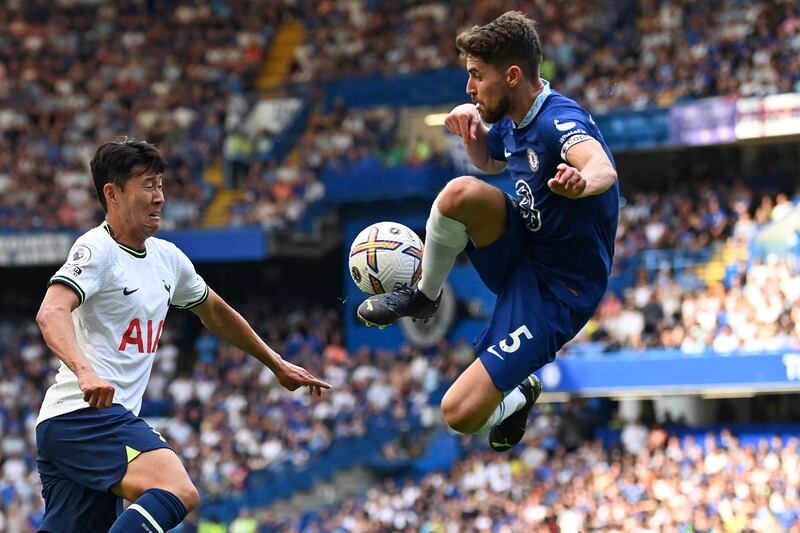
[(512, 403), (445, 238), (156, 511)]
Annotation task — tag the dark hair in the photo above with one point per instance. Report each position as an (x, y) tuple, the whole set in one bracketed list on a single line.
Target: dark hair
[(119, 161), (510, 39)]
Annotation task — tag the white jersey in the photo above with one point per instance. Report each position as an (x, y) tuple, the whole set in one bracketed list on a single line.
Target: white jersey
[(124, 297)]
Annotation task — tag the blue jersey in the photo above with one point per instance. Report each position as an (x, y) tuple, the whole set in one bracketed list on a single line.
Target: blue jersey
[(571, 242)]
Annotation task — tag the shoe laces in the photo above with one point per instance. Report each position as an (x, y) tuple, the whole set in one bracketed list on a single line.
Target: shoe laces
[(399, 296)]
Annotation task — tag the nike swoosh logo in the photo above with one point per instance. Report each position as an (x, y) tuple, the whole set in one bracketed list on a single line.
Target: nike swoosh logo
[(126, 292), (506, 153), (501, 444), (566, 126)]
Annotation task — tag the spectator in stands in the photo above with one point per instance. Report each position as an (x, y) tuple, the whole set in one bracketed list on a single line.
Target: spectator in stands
[(144, 77), (750, 308), (609, 58), (675, 485)]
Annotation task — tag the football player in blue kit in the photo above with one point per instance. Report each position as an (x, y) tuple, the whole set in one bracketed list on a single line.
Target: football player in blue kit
[(545, 253)]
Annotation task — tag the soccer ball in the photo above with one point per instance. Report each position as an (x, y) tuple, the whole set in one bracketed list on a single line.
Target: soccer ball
[(385, 257)]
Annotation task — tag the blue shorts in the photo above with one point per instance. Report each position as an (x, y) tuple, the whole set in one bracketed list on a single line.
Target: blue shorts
[(81, 455), (528, 324)]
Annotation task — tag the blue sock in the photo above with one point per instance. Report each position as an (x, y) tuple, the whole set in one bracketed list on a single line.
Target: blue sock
[(156, 511)]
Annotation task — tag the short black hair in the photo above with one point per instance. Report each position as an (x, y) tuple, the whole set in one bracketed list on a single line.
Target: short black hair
[(119, 161), (510, 39)]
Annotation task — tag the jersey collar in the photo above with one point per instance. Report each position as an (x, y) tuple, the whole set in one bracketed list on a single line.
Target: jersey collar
[(537, 104), (134, 252)]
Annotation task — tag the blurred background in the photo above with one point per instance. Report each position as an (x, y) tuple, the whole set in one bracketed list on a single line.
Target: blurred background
[(289, 125)]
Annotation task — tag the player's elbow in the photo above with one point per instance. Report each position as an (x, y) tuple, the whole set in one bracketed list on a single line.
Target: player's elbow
[(604, 178), (44, 315), (611, 178)]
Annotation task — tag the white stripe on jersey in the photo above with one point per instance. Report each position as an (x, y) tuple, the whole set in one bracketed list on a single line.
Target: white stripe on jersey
[(124, 298)]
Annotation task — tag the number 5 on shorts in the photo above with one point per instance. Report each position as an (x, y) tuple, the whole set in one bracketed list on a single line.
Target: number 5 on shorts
[(516, 341)]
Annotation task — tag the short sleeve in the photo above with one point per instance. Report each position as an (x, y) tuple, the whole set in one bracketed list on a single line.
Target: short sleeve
[(191, 289), (565, 127), (84, 271), (495, 141)]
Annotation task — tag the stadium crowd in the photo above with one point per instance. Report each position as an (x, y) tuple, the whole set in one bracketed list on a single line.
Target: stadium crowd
[(225, 415), (669, 484), (758, 310), (179, 74), (73, 74), (755, 305), (632, 54)]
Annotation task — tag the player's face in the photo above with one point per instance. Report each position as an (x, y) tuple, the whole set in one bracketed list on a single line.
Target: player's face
[(141, 202), (488, 89)]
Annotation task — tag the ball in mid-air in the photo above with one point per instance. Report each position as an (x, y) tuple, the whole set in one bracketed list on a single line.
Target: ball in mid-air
[(385, 257)]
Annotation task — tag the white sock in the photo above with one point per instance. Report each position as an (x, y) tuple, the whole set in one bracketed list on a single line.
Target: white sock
[(510, 405), (445, 238)]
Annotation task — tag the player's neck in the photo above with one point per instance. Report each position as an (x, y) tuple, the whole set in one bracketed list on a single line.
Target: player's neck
[(520, 109), (124, 234)]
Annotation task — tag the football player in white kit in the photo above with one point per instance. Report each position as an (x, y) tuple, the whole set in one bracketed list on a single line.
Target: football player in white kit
[(103, 315)]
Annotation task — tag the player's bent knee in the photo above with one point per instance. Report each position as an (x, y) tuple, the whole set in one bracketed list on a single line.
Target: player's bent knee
[(184, 490), (188, 495), (457, 194), (457, 416), (479, 206)]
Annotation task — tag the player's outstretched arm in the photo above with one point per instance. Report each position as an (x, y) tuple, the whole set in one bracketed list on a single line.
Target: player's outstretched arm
[(55, 322), (465, 122), (226, 323), (589, 172)]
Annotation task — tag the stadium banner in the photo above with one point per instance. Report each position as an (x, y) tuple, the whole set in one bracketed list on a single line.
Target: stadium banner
[(440, 86), (370, 181), (27, 249), (272, 115), (212, 245), (634, 130), (768, 116), (663, 371), (707, 121)]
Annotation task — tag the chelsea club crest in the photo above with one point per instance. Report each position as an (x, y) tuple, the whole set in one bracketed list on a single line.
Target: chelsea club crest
[(533, 160)]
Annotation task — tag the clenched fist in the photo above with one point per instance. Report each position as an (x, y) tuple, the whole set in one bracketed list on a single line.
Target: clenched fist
[(97, 392)]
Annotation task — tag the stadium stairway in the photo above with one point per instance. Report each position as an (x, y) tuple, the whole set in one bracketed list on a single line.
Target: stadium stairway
[(218, 212), (440, 450), (281, 54), (273, 73), (777, 237), (336, 467), (782, 235), (343, 485), (722, 257)]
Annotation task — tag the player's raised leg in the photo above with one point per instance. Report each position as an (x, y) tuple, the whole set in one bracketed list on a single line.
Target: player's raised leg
[(467, 208), (497, 392), (161, 491)]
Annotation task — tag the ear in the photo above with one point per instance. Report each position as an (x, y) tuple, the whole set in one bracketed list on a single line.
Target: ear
[(513, 75), (111, 193)]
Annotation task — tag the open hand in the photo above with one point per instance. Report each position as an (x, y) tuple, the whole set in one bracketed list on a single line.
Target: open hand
[(97, 392), (292, 377), (568, 182)]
